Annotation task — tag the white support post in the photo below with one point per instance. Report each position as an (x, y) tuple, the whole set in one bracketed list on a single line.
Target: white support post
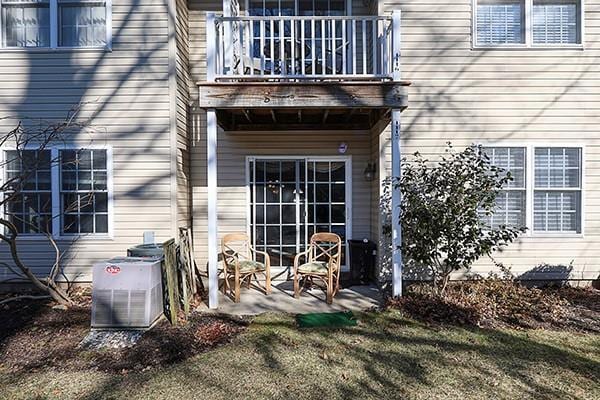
[(211, 47), (211, 156), (396, 44), (396, 198), (396, 165)]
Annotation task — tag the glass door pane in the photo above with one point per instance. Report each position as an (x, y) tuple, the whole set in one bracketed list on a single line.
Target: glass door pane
[(326, 199)]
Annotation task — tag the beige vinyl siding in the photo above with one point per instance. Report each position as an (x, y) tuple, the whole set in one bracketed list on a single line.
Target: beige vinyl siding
[(535, 96), (183, 100), (126, 92)]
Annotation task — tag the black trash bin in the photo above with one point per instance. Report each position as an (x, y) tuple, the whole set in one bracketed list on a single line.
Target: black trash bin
[(363, 256)]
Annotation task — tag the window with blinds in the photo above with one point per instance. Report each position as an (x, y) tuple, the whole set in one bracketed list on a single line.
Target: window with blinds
[(500, 22), (528, 23), (510, 202), (555, 22), (557, 190)]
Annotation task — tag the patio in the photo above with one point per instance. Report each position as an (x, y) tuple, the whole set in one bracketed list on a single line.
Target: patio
[(254, 301)]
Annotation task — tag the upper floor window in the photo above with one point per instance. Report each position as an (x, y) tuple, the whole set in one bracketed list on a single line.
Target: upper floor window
[(54, 23), (296, 7), (528, 22)]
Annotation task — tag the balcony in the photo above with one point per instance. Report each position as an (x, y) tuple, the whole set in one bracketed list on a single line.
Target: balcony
[(303, 48), (303, 72)]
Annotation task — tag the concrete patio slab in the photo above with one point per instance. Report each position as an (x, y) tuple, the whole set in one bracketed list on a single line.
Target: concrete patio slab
[(254, 301)]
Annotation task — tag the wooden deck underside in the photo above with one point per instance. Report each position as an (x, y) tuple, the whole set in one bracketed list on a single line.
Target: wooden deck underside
[(259, 106)]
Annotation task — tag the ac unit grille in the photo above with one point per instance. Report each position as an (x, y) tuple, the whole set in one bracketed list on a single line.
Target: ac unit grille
[(137, 308)]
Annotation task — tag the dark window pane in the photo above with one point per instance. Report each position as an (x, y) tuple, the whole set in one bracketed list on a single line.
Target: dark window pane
[(272, 235), (45, 203), (260, 214), (259, 193), (338, 214), (288, 214), (15, 205), (68, 159), (85, 159), (288, 171), (85, 180), (100, 180), (99, 159), (322, 172), (322, 212), (273, 214), (289, 235), (338, 193), (322, 193), (86, 203), (338, 172), (70, 202), (101, 223), (273, 193), (70, 224), (288, 193), (87, 224), (272, 171), (44, 180), (69, 180)]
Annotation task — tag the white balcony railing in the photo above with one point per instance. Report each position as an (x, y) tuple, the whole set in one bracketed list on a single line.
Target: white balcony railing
[(299, 47)]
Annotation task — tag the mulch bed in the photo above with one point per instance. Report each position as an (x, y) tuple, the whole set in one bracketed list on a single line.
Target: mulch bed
[(36, 336), (496, 303)]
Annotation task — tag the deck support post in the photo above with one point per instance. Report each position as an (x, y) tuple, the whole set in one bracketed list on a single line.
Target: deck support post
[(396, 164), (211, 156), (396, 199)]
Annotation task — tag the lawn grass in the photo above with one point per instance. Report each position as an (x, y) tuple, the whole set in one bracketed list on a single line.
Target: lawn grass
[(386, 356)]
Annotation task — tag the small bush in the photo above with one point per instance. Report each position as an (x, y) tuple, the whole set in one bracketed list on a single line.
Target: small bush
[(489, 302)]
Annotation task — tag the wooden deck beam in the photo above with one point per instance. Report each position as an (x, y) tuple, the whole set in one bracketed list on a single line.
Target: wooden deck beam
[(303, 95)]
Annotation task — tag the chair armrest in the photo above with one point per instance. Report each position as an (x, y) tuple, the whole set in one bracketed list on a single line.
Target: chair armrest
[(297, 259), (264, 254)]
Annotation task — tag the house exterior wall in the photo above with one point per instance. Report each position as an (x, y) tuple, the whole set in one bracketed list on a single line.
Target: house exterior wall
[(496, 96), (128, 103)]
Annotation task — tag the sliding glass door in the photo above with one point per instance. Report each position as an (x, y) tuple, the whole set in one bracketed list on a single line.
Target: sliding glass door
[(290, 199)]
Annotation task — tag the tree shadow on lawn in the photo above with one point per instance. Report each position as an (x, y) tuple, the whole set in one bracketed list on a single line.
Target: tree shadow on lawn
[(399, 354), (386, 356)]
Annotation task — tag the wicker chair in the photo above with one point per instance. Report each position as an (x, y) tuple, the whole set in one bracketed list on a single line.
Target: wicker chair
[(321, 261), (240, 263)]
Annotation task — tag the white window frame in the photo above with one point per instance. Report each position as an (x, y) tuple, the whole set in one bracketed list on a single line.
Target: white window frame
[(55, 182), (55, 28), (528, 30), (530, 185)]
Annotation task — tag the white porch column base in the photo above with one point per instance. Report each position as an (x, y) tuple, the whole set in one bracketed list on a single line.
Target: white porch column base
[(396, 198), (213, 251)]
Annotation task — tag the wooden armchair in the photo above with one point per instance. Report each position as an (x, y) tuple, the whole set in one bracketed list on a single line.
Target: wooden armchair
[(321, 261), (240, 263)]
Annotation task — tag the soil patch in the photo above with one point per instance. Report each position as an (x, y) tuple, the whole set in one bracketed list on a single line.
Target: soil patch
[(36, 336), (496, 303)]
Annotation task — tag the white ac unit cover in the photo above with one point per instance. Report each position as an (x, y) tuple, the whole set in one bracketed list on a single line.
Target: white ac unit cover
[(127, 293)]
